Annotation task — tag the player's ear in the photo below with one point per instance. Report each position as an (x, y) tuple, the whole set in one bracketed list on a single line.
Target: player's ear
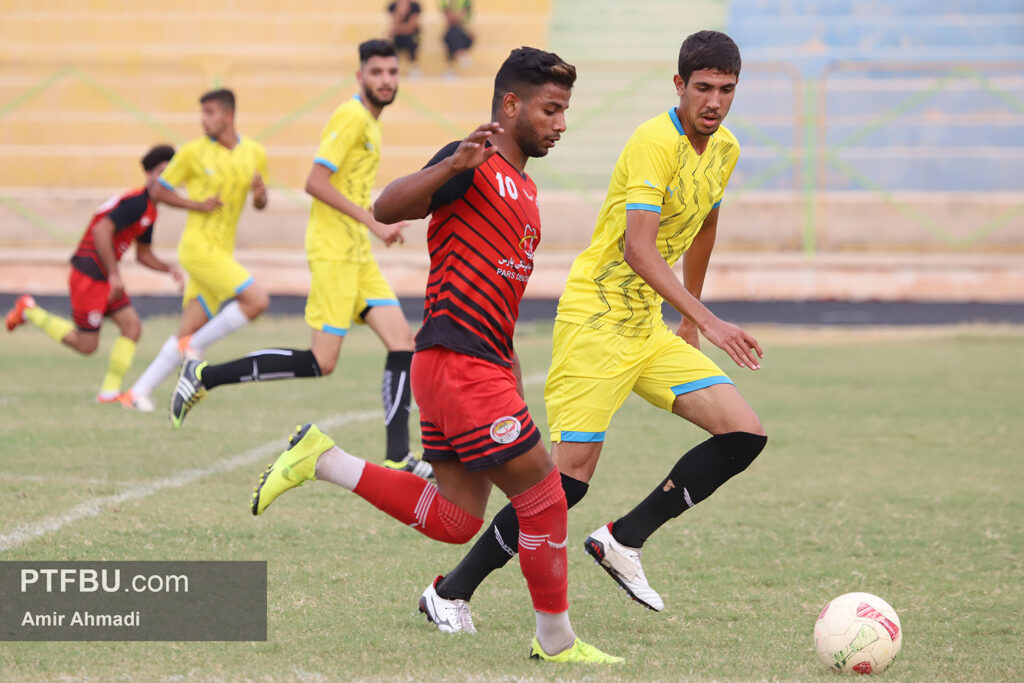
[(511, 104), (680, 85)]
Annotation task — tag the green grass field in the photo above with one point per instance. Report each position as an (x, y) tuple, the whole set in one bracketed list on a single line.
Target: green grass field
[(893, 466)]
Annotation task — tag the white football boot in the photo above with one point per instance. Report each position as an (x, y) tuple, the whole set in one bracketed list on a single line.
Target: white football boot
[(450, 616), (622, 564)]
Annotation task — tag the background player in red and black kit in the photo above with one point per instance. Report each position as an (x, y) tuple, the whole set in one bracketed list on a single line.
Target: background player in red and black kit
[(96, 287), (477, 431)]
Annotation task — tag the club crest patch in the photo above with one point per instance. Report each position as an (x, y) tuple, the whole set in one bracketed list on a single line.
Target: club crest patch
[(506, 429), (95, 318)]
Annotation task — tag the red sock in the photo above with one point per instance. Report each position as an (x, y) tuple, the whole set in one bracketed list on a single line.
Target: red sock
[(542, 537), (415, 502)]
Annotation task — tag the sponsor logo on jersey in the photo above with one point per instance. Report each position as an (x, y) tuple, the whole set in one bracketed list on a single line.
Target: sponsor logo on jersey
[(529, 241)]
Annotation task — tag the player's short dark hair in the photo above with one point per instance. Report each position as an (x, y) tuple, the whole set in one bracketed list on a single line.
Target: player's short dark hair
[(156, 156), (223, 96), (529, 67), (376, 47), (708, 50)]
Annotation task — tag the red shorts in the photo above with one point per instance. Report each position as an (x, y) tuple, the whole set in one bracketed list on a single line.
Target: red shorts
[(89, 304), (469, 410)]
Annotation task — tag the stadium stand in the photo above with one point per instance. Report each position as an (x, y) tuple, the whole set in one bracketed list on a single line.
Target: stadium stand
[(867, 127)]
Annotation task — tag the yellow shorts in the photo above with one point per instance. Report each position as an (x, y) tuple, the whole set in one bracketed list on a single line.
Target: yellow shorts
[(214, 276), (342, 292), (593, 371)]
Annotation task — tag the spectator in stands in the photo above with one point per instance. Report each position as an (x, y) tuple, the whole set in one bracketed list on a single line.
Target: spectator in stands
[(456, 37), (405, 30)]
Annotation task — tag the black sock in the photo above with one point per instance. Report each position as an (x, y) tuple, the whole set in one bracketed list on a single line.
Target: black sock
[(261, 366), (496, 547), (695, 477), (396, 394)]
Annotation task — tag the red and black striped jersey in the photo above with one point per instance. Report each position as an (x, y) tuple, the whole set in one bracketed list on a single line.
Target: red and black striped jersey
[(482, 236), (133, 215)]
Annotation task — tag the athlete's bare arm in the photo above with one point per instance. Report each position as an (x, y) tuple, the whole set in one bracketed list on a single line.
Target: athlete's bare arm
[(408, 197), (517, 370), (695, 267), (103, 237), (641, 253), (318, 185), (144, 254), (164, 195), (259, 193)]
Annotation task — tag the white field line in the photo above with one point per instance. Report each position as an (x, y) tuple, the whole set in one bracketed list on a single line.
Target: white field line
[(49, 479), (91, 508)]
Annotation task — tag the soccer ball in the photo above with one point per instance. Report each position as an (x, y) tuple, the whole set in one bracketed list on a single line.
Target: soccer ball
[(858, 632)]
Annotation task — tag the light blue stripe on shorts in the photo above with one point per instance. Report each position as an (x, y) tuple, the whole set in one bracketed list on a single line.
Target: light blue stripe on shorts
[(337, 331), (700, 384), (241, 288), (583, 437)]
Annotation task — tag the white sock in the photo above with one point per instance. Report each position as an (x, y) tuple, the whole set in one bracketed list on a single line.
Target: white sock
[(160, 369), (231, 318), (339, 467), (554, 632)]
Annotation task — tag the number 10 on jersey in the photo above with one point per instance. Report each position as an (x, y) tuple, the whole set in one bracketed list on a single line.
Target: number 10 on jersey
[(506, 184)]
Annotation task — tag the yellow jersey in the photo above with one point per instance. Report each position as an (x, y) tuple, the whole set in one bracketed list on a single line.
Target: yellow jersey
[(350, 148), (208, 168), (657, 171)]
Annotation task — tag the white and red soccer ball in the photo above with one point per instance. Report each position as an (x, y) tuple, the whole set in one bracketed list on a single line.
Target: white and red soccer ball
[(858, 633)]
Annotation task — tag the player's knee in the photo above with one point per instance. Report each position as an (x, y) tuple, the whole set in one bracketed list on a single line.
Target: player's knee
[(402, 344), (254, 301), (574, 489), (326, 363), (132, 329), (747, 446), (745, 421), (259, 304), (403, 339), (85, 343), (457, 526), (465, 531)]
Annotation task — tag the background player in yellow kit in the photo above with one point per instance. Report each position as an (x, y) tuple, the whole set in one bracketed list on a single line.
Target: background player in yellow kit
[(347, 285), (218, 170), (610, 338)]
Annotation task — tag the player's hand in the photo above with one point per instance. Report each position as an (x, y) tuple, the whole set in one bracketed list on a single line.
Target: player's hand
[(178, 277), (209, 204), (259, 191), (388, 233), (116, 287), (741, 347), (688, 331), (472, 151)]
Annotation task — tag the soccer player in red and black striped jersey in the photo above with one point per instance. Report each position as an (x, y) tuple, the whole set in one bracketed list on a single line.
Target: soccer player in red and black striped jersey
[(95, 283), (477, 430)]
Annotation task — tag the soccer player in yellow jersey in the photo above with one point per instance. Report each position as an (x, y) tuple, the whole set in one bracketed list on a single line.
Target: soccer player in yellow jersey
[(347, 285), (610, 339), (218, 171)]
